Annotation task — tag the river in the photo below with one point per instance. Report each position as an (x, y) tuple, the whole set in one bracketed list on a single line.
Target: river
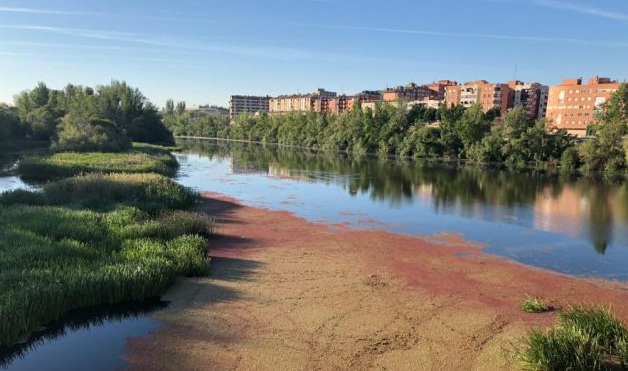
[(572, 226)]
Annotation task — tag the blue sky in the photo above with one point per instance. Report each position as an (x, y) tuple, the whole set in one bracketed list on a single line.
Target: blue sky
[(204, 51)]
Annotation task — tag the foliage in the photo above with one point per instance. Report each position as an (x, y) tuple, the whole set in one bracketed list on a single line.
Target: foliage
[(560, 349), (84, 259), (148, 192), (596, 322), (79, 133), (69, 164), (585, 338), (41, 112), (534, 305)]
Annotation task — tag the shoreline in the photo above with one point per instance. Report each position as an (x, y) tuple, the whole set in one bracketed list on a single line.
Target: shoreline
[(286, 294)]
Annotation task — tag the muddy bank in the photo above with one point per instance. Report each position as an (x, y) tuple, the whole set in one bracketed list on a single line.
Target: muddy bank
[(285, 294)]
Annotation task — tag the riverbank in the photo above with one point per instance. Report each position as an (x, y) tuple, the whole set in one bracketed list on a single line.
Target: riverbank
[(285, 294)]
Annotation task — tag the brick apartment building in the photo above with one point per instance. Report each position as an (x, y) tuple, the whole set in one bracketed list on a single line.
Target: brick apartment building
[(480, 92), (532, 96), (571, 105), (239, 104), (410, 92), (317, 101), (439, 87)]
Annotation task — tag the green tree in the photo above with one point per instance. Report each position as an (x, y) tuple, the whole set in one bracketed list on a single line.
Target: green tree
[(80, 133), (169, 107), (180, 108)]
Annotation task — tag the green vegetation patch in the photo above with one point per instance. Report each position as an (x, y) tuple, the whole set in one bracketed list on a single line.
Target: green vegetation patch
[(148, 192), (561, 349), (534, 305), (598, 322), (55, 259), (585, 338), (62, 165)]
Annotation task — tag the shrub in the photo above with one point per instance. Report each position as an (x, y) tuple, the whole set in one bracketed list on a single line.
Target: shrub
[(597, 322), (570, 160), (561, 349), (78, 133), (534, 305)]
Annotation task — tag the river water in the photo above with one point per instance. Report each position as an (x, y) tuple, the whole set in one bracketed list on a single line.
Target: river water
[(573, 226)]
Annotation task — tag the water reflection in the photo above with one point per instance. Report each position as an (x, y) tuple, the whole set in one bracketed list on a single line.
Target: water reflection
[(91, 339), (587, 212)]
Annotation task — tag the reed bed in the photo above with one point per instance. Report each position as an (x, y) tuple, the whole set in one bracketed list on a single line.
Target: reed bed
[(62, 165), (86, 258)]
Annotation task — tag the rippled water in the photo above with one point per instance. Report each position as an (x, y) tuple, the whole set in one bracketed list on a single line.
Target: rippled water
[(577, 227)]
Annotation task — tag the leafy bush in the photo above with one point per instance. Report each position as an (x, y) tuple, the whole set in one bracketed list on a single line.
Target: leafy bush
[(570, 160), (561, 349), (78, 133)]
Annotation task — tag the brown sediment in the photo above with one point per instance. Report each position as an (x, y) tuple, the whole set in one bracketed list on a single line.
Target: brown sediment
[(285, 294)]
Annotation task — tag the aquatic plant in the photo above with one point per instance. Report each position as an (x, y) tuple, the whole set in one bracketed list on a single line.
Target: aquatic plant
[(149, 192), (63, 165), (86, 258)]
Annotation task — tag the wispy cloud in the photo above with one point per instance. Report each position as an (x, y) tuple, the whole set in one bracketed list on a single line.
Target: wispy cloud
[(583, 8), (5, 9), (468, 35)]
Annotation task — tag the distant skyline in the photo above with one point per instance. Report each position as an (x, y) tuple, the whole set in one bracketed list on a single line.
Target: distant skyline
[(204, 51)]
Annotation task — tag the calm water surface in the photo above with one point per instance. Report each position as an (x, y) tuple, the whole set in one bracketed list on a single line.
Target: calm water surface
[(85, 340), (577, 227)]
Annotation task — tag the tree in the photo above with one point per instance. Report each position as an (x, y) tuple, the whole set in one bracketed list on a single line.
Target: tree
[(80, 133), (169, 107), (450, 138), (605, 151), (472, 127), (180, 108)]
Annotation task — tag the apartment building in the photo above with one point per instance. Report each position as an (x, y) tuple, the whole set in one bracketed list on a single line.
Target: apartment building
[(572, 105), (317, 101), (480, 92), (410, 92), (532, 96), (439, 88), (239, 104)]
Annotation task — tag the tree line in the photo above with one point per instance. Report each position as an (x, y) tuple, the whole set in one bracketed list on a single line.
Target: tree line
[(104, 119), (470, 134)]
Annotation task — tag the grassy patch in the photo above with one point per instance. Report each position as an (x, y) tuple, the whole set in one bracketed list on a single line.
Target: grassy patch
[(534, 305), (561, 349), (55, 259), (62, 165), (149, 192), (585, 338), (598, 322)]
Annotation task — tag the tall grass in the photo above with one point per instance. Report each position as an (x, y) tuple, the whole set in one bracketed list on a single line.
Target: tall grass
[(598, 322), (63, 165), (561, 349), (584, 338), (55, 259), (149, 192), (534, 305)]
